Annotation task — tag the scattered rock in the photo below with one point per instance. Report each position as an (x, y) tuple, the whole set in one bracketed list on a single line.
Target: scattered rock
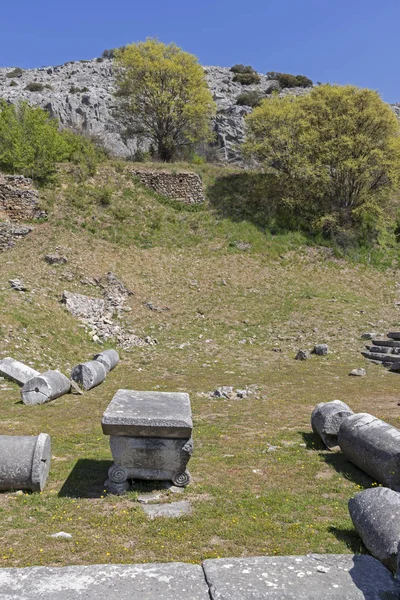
[(55, 259), (358, 372), (321, 349), (18, 285), (174, 509), (368, 335), (151, 306), (151, 497), (62, 535), (225, 391), (301, 355)]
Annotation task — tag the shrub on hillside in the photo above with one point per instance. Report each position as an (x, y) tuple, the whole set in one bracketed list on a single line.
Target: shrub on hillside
[(251, 99), (13, 83), (286, 80), (17, 72), (35, 86), (32, 145), (336, 153), (245, 75)]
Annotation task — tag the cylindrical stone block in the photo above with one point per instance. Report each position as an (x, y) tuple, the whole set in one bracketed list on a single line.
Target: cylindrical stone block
[(43, 388), (88, 375), (25, 462), (326, 419), (376, 516), (373, 446), (108, 358)]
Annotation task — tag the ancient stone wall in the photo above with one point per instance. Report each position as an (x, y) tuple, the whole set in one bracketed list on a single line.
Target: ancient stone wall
[(182, 186), (19, 201)]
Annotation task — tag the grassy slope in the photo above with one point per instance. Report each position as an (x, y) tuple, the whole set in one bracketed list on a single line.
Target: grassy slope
[(229, 310)]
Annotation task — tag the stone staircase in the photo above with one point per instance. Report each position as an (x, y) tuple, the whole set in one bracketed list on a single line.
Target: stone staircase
[(385, 352)]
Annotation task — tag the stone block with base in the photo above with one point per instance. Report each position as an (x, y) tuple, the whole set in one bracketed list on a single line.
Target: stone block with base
[(150, 438)]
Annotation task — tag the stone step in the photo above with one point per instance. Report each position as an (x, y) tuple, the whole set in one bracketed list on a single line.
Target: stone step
[(381, 349), (311, 577), (394, 335), (384, 358), (386, 343)]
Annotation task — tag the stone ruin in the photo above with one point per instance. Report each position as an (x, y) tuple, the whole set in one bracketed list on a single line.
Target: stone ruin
[(385, 352), (98, 314), (374, 447), (19, 202), (183, 186)]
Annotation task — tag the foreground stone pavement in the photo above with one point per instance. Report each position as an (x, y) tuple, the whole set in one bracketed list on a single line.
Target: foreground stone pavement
[(313, 577)]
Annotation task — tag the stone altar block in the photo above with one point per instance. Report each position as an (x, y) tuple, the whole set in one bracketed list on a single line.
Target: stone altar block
[(150, 438)]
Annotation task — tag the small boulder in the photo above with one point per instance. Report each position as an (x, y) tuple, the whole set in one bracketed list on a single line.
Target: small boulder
[(55, 259), (321, 349), (301, 355), (358, 372)]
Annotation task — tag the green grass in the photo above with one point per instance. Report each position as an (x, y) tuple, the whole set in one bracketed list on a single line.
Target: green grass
[(229, 310)]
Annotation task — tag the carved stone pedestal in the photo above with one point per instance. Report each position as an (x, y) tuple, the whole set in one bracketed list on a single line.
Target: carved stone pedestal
[(150, 438)]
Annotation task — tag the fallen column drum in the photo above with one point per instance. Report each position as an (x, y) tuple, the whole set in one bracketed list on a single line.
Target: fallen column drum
[(108, 358), (43, 388), (24, 462), (89, 375), (326, 420), (373, 446)]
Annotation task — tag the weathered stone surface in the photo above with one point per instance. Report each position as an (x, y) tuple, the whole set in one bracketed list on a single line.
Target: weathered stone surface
[(16, 371), (171, 581), (301, 355), (174, 509), (89, 375), (394, 335), (183, 186), (45, 387), (108, 358), (151, 459), (321, 349), (376, 516), (373, 446), (326, 419), (148, 414), (314, 577), (83, 306), (25, 462)]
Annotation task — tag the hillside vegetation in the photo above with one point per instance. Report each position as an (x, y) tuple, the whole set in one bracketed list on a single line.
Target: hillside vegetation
[(241, 302)]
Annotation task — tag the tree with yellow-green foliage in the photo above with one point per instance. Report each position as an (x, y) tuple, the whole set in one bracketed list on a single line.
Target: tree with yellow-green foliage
[(336, 152), (163, 91)]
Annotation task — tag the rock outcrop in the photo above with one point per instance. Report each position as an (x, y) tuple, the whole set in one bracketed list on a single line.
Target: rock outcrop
[(81, 95)]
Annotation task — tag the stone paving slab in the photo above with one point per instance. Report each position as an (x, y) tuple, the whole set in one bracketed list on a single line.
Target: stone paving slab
[(148, 414), (314, 577), (170, 581)]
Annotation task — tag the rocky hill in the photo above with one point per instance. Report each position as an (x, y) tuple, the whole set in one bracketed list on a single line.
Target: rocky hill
[(80, 95)]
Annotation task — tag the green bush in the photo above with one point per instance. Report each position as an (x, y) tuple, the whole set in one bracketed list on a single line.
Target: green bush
[(17, 72), (76, 90), (245, 75), (34, 86), (13, 83), (286, 80), (32, 145), (251, 99), (336, 155)]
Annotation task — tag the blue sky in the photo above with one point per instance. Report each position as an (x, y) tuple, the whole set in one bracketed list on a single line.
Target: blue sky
[(339, 41)]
